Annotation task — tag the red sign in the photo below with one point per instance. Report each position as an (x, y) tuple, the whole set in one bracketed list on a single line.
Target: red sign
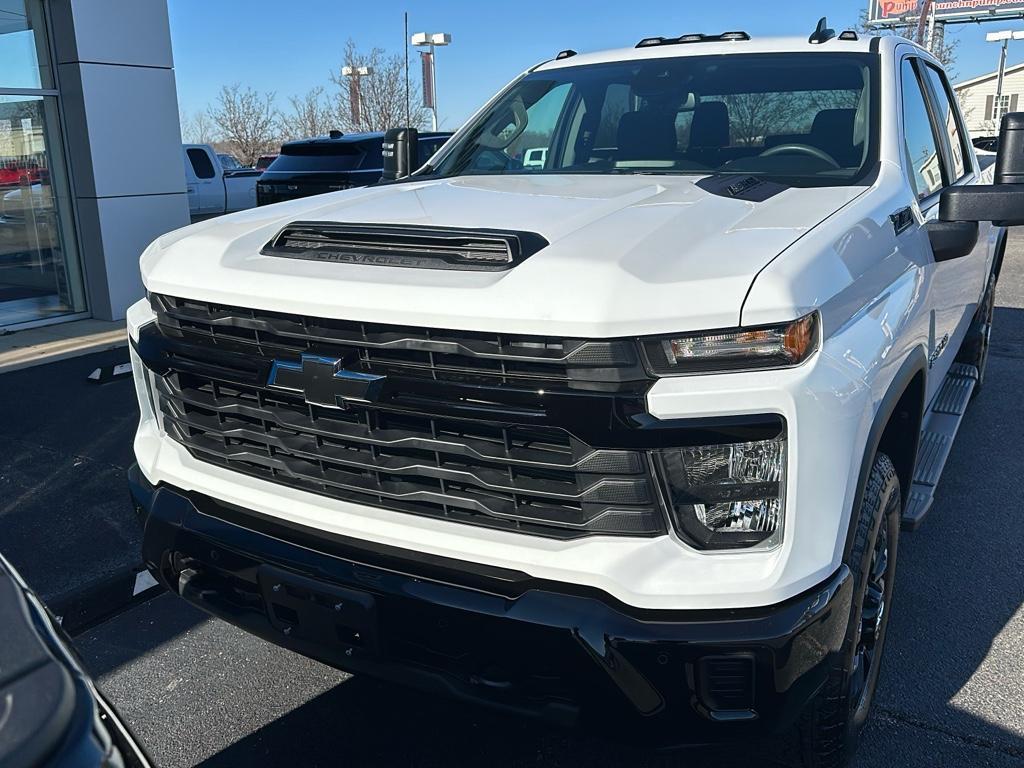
[(944, 10), (427, 60)]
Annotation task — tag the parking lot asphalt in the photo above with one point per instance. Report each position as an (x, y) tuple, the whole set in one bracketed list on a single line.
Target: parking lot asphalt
[(65, 445), (200, 692)]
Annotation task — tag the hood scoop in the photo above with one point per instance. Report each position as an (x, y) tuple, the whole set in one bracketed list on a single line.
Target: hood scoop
[(390, 245)]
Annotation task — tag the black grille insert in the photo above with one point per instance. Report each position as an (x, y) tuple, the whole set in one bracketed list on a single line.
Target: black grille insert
[(531, 479), (461, 428), (437, 354)]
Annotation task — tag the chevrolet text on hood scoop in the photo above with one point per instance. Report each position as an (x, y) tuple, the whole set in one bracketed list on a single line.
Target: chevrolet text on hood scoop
[(689, 253)]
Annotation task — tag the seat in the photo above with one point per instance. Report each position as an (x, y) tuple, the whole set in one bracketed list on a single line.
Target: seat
[(647, 138), (832, 131), (709, 132)]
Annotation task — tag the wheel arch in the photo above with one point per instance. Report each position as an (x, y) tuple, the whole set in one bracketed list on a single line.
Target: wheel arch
[(895, 430)]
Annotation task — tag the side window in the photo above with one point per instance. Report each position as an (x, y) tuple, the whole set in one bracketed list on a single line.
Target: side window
[(542, 119), (201, 165), (952, 124), (923, 157)]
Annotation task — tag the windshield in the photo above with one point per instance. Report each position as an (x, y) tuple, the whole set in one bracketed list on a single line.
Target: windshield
[(803, 118)]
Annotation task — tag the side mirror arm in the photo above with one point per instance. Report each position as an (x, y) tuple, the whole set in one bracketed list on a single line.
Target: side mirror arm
[(952, 239)]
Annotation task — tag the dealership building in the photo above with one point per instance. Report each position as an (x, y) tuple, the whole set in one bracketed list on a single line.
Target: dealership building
[(90, 155)]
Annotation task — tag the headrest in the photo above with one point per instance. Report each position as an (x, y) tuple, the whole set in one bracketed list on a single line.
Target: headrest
[(647, 136), (834, 125), (710, 126)]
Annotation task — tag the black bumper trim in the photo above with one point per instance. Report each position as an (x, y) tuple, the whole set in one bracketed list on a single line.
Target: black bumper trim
[(496, 636)]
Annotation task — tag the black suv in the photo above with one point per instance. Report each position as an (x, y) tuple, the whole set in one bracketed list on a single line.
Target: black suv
[(327, 164)]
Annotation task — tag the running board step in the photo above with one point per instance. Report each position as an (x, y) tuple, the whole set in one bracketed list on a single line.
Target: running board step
[(940, 428)]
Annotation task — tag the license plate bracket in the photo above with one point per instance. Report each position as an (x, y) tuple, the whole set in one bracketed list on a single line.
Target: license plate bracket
[(307, 609)]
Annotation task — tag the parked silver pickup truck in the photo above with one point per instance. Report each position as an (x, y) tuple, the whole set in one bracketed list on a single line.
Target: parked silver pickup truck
[(212, 190)]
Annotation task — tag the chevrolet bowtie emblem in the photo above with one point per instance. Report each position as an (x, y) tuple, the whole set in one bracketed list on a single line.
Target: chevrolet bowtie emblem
[(323, 381)]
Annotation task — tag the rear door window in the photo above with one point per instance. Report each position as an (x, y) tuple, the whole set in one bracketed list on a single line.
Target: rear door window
[(951, 122), (202, 167)]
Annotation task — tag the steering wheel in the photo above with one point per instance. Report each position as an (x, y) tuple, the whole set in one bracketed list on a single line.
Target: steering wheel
[(806, 149)]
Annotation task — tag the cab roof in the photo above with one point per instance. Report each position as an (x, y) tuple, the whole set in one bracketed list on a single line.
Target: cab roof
[(863, 44)]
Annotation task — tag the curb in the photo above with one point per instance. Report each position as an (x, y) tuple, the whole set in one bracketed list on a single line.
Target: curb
[(87, 606), (20, 358)]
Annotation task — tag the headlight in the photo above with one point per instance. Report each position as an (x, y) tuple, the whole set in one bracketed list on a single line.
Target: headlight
[(774, 346), (727, 496)]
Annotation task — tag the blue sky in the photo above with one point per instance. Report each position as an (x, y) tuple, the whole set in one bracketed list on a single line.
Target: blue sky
[(291, 47)]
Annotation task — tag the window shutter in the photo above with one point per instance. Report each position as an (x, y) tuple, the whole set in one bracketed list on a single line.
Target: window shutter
[(1013, 102), (990, 101)]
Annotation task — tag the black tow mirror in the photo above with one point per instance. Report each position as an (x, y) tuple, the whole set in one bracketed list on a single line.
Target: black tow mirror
[(1010, 155), (1003, 202), (400, 151)]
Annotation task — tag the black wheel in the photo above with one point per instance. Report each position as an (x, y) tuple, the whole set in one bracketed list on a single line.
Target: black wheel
[(974, 350), (830, 727)]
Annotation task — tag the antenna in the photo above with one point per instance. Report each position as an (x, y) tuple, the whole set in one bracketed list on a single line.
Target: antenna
[(822, 33)]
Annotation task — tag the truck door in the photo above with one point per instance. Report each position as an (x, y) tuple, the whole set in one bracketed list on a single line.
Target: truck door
[(208, 197), (935, 157)]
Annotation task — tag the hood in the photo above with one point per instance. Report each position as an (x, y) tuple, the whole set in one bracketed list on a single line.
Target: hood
[(627, 255)]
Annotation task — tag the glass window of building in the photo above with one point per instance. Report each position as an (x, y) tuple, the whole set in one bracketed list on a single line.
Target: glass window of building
[(40, 277)]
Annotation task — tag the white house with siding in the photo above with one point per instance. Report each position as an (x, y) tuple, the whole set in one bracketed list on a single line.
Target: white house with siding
[(978, 100)]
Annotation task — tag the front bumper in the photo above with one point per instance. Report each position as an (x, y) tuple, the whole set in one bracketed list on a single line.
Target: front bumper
[(566, 653)]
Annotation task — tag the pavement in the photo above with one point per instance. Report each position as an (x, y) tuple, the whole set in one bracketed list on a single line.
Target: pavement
[(50, 343), (65, 519), (199, 692)]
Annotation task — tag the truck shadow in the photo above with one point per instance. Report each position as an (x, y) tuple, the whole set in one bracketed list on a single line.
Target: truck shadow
[(366, 723)]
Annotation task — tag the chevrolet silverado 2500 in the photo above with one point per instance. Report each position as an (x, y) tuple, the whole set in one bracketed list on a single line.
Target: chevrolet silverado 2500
[(625, 435)]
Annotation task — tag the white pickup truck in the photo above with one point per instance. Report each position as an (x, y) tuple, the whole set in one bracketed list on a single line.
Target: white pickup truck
[(625, 438), (212, 190)]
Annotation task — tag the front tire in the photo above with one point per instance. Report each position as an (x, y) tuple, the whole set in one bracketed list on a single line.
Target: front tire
[(831, 726)]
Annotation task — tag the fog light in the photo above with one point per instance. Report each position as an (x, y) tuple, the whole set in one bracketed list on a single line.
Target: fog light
[(727, 496)]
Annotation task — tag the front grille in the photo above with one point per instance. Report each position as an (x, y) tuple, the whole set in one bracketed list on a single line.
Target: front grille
[(393, 350), (537, 480), (501, 466)]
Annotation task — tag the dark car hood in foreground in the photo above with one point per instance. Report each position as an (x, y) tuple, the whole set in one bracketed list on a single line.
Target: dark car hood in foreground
[(50, 712)]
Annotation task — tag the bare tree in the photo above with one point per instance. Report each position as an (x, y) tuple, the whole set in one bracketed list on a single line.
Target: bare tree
[(311, 115), (247, 120), (381, 99), (198, 128), (752, 116)]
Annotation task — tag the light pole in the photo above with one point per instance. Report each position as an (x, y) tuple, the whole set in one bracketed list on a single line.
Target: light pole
[(355, 92), (430, 40), (1003, 37)]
